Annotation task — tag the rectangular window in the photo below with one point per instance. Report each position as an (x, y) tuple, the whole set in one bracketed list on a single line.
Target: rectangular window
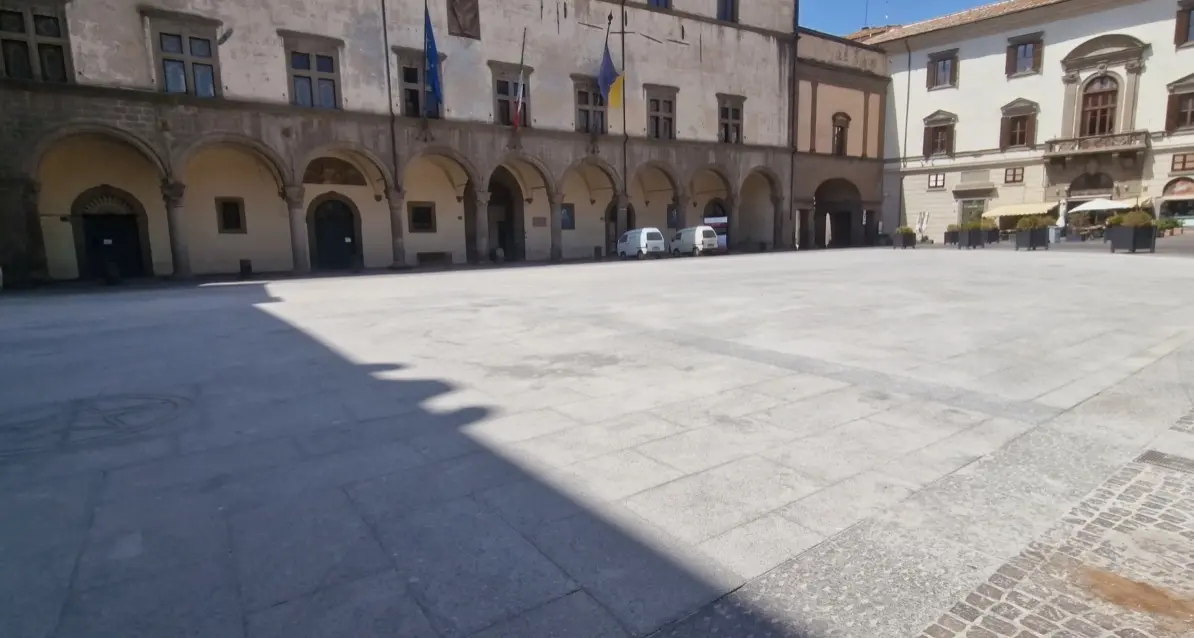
[(1184, 32), (1013, 175), (1182, 162), (421, 217), (464, 19), (939, 140), (1025, 54), (230, 215), (937, 180), (590, 108), (185, 53), (314, 79), (661, 112), (506, 94), (729, 118), (1017, 131), (840, 139), (727, 10), (34, 44), (412, 86), (942, 70), (662, 4), (568, 216), (1180, 112)]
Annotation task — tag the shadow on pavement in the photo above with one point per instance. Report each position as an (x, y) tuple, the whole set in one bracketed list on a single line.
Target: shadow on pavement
[(192, 465)]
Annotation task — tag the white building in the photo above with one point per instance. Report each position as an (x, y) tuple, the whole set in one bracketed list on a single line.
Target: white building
[(1027, 103)]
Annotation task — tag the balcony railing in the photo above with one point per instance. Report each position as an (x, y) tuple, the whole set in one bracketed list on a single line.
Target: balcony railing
[(1110, 143)]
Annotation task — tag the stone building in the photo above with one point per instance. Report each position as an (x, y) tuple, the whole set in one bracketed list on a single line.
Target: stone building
[(188, 136), (1022, 106)]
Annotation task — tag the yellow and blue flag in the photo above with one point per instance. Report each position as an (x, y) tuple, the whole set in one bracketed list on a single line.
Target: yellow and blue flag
[(610, 80)]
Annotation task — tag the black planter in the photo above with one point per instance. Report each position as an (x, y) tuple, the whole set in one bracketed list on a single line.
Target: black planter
[(972, 239), (992, 235), (951, 237), (1032, 239), (903, 240), (1133, 239)]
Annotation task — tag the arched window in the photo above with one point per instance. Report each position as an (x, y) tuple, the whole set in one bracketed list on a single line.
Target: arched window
[(1098, 106), (841, 130)]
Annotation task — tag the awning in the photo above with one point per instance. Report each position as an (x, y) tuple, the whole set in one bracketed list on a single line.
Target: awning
[(1107, 205), (1020, 210)]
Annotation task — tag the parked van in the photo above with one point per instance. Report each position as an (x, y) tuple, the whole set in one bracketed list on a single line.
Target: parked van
[(694, 241), (642, 242)]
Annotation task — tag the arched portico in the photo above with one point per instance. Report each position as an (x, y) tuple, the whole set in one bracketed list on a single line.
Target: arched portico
[(334, 232), (759, 210), (439, 211), (524, 211), (352, 173), (111, 234), (837, 215), (657, 196), (588, 190), (713, 201)]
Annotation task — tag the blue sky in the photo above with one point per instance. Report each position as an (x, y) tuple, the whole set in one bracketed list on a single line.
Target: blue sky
[(845, 16)]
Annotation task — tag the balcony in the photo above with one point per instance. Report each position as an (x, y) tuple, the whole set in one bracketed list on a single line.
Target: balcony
[(1115, 143)]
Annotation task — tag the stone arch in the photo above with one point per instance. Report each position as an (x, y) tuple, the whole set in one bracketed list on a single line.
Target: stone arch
[(344, 259), (273, 160), (757, 221), (525, 168), (107, 200), (656, 190), (610, 172), (720, 171), (664, 168), (837, 213), (449, 154), (47, 142), (377, 172)]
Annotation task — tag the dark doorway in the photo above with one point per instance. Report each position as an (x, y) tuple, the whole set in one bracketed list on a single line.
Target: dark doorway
[(111, 232), (113, 245), (612, 232), (506, 229), (841, 229), (335, 242), (838, 208)]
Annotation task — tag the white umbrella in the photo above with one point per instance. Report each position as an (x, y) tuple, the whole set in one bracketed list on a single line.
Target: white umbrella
[(1101, 205)]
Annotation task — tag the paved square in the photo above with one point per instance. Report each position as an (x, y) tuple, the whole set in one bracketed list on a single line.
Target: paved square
[(852, 442)]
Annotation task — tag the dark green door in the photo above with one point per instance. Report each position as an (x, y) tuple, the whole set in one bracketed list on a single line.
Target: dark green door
[(336, 241), (113, 246)]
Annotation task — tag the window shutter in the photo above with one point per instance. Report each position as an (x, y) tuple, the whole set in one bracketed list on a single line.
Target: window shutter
[(1171, 112), (949, 140), (954, 68), (1009, 65), (1030, 131), (928, 149), (1183, 27), (1004, 132), (1038, 56), (931, 75)]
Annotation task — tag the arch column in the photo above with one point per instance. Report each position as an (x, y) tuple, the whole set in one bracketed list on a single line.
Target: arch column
[(180, 255), (682, 203), (623, 213), (397, 200), (481, 230), (556, 201), (779, 222), (299, 246)]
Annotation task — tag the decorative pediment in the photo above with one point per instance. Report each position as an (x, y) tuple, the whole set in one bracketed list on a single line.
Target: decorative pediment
[(1184, 85), (1021, 106), (1106, 50), (939, 118)]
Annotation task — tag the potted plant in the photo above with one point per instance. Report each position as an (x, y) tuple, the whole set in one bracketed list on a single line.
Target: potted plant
[(1167, 226), (1132, 232), (972, 235), (1032, 233), (904, 237), (951, 234), (1078, 224), (992, 230)]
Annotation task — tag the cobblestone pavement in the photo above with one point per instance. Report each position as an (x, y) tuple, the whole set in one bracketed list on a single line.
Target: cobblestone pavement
[(1120, 565), (842, 443)]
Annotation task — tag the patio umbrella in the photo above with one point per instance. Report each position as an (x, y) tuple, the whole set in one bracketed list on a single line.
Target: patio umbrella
[(1101, 205)]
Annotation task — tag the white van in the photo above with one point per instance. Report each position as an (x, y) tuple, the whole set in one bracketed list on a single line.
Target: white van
[(642, 242), (694, 241)]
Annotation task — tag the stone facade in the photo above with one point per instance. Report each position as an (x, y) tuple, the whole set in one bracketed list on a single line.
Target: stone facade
[(249, 178)]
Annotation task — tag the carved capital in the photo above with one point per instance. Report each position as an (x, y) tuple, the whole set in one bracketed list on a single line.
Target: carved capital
[(173, 192), (395, 197), (1135, 67), (482, 199), (1071, 78), (623, 201), (555, 200), (294, 196)]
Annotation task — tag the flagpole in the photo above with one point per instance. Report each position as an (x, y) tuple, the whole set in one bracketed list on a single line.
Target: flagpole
[(625, 133), (426, 66), (521, 81)]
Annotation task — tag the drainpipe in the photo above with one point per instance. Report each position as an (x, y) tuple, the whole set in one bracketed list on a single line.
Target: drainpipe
[(385, 36), (793, 96), (907, 109)]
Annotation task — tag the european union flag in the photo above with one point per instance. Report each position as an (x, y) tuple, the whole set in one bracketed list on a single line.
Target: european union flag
[(609, 80), (431, 79)]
